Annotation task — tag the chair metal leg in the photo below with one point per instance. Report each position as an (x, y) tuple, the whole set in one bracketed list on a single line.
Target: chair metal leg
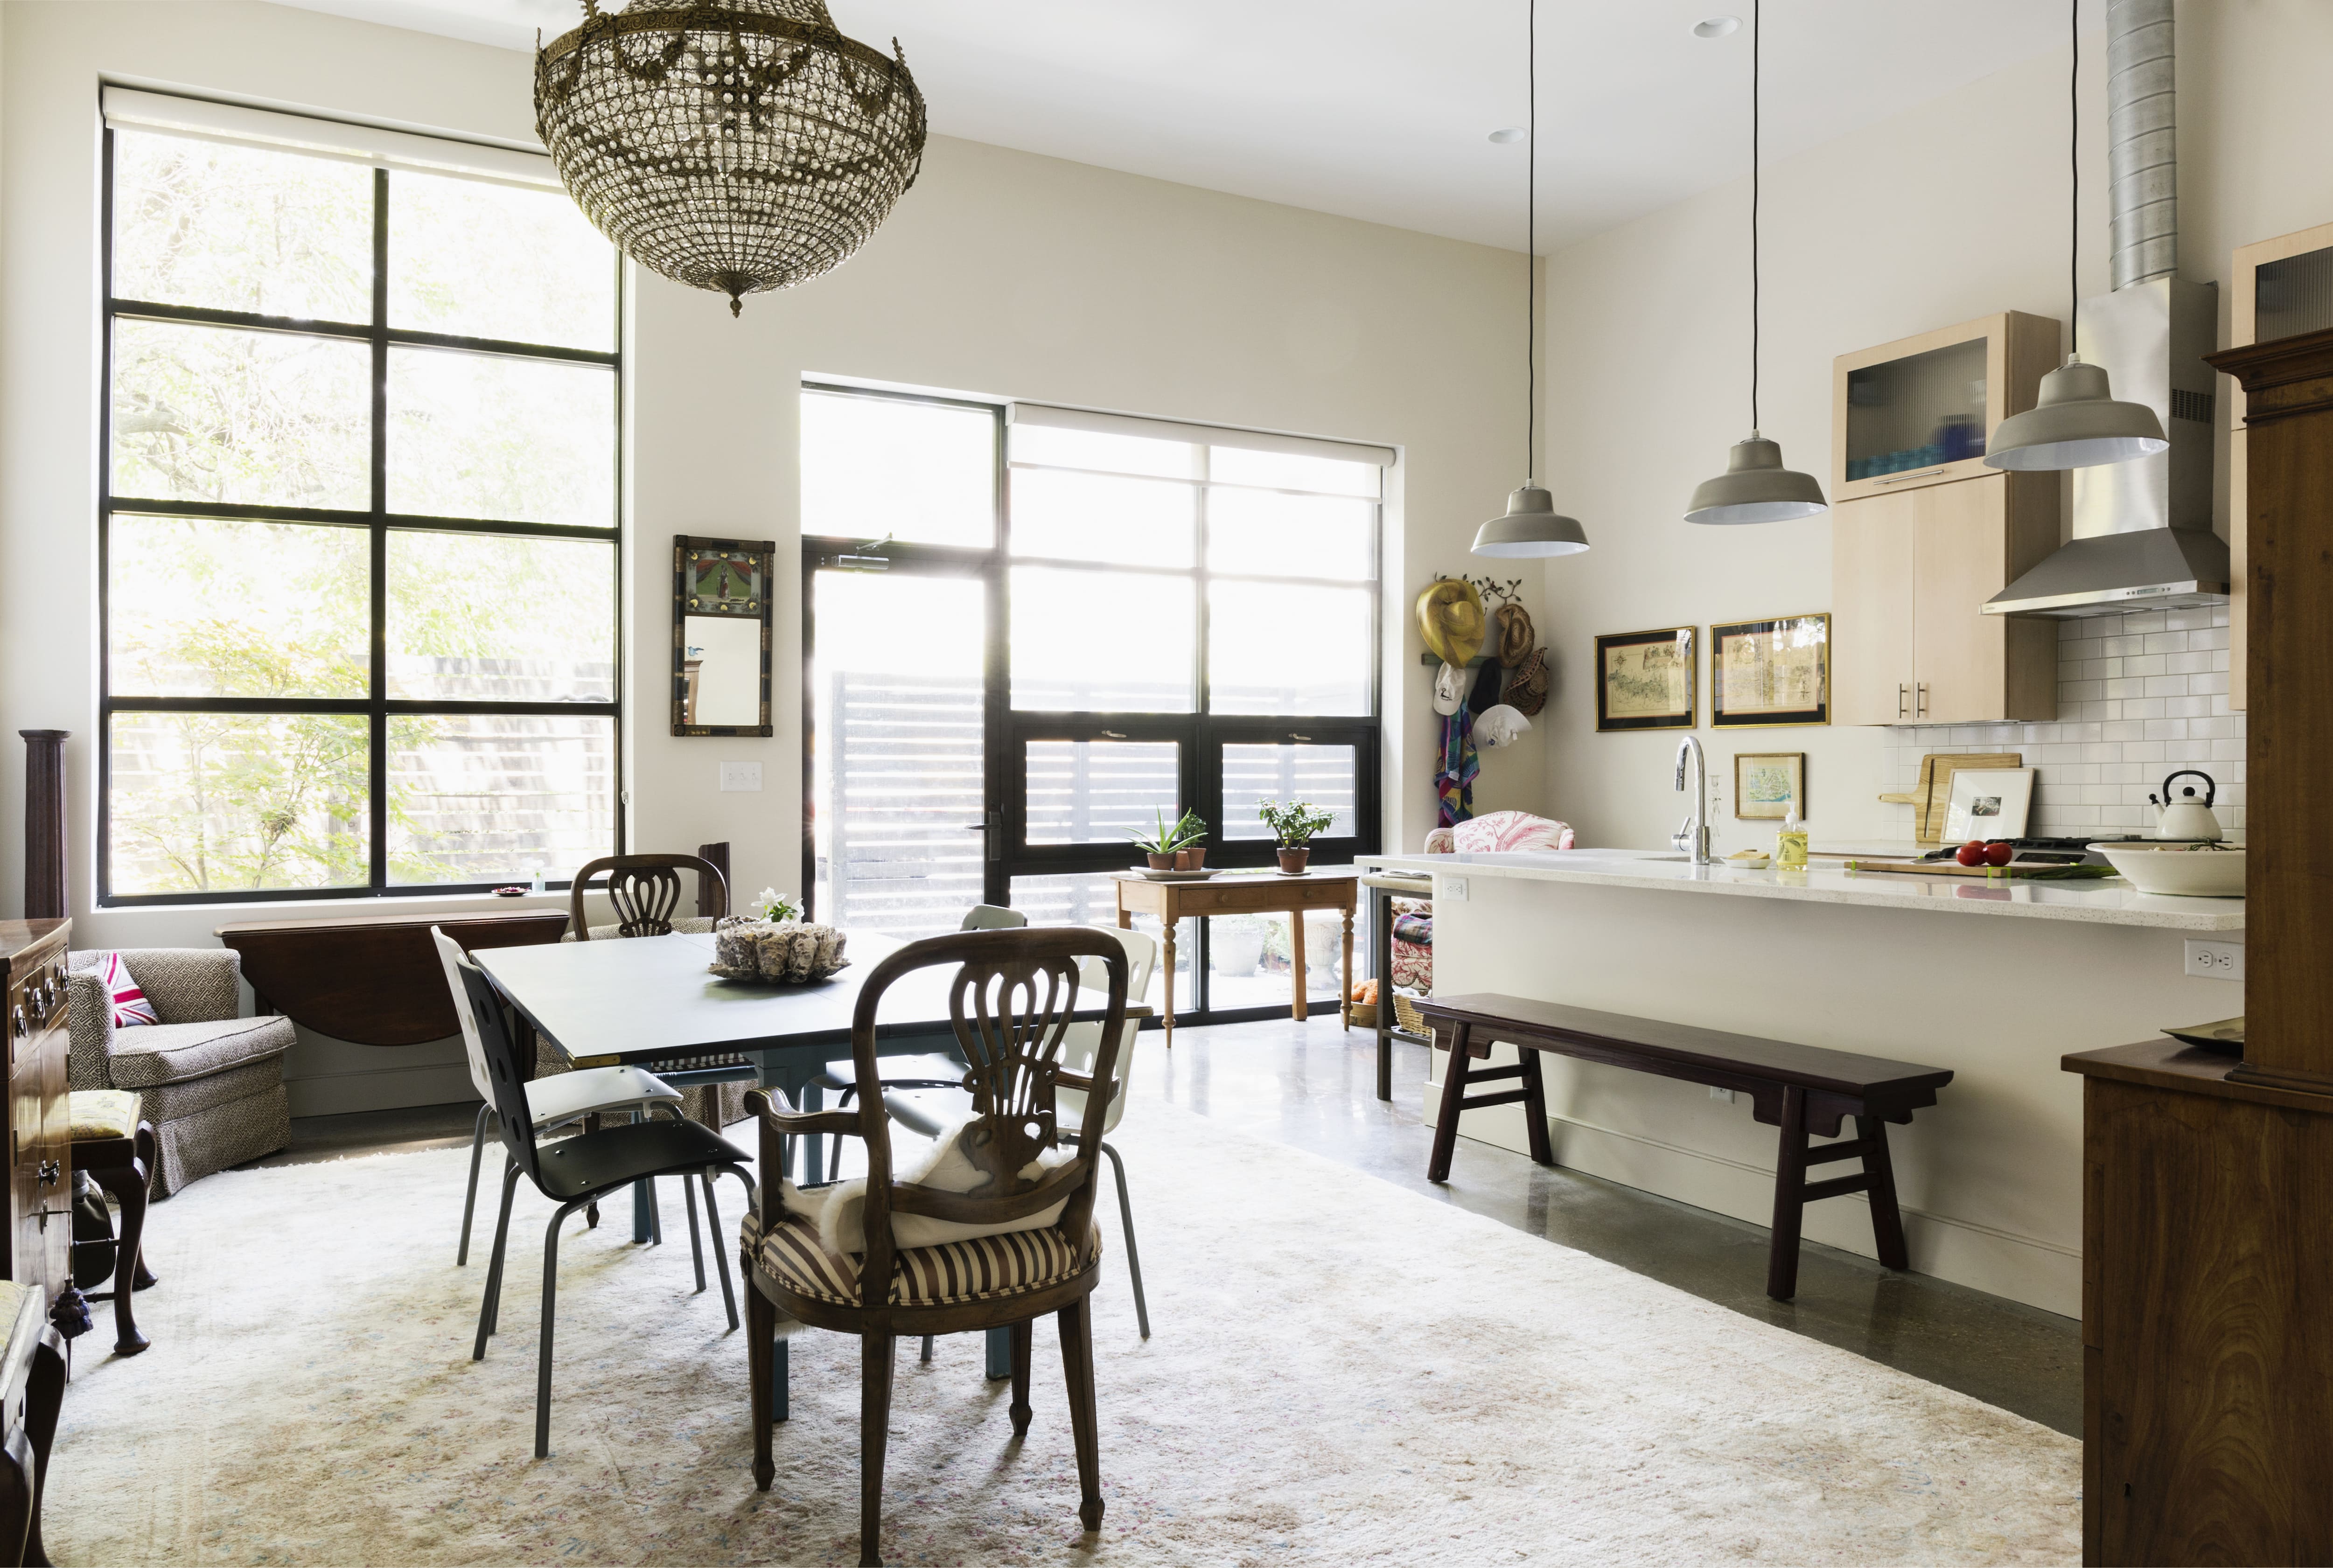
[(470, 1199), (550, 1305), (489, 1304), (695, 1242), (720, 1253), (1133, 1258), (927, 1354)]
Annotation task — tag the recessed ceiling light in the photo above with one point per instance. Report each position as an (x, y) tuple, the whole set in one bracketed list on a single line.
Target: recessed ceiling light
[(1507, 133), (1716, 26)]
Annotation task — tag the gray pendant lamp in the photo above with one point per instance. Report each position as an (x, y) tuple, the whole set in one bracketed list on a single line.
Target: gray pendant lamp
[(1531, 526), (1755, 487), (2076, 422)]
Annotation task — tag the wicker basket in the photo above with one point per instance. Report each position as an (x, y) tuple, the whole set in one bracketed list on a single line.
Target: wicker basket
[(1406, 1018)]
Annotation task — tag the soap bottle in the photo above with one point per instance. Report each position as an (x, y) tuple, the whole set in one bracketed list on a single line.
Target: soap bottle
[(1791, 843)]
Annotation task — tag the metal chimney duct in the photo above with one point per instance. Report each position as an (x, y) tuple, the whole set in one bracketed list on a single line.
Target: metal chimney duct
[(2142, 530), (2142, 139)]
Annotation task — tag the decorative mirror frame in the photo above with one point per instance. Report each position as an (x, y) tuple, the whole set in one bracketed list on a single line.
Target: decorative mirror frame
[(759, 556)]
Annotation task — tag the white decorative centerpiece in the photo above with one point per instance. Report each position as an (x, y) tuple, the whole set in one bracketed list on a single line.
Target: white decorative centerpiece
[(780, 947)]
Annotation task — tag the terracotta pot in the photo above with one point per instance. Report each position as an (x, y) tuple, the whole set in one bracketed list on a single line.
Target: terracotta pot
[(1161, 862), (1190, 859), (1293, 860)]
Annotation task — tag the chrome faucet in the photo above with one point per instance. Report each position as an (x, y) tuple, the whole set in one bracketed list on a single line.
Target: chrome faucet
[(1693, 836)]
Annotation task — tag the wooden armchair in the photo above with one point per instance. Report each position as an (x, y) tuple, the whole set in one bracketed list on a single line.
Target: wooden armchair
[(646, 892), (1011, 1248)]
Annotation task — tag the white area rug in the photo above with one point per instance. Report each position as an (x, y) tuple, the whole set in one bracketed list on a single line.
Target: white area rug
[(1341, 1373)]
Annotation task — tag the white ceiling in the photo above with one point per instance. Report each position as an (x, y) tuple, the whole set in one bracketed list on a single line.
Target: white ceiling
[(1381, 108)]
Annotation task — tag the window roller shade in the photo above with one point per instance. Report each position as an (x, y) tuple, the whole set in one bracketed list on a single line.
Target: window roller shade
[(1048, 416), (129, 109)]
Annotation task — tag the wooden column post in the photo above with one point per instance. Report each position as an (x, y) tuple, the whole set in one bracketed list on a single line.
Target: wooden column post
[(2289, 895), (46, 897)]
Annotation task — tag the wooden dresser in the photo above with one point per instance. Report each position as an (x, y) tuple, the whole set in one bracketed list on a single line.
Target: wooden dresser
[(39, 1234)]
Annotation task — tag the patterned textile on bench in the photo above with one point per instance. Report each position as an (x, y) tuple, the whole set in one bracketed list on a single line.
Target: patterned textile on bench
[(984, 1267)]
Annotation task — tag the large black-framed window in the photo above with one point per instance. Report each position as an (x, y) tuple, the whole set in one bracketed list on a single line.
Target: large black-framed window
[(359, 548), (1220, 647)]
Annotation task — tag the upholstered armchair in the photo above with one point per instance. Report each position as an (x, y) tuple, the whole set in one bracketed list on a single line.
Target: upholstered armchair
[(211, 1083)]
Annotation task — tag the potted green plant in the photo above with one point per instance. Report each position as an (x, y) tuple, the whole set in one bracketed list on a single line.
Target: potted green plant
[(1293, 826), (1173, 846)]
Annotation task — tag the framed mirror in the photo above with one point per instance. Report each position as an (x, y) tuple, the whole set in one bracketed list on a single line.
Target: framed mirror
[(721, 635)]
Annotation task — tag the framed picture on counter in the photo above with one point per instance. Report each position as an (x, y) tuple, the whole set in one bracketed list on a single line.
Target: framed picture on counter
[(1770, 672), (1644, 680), (1766, 782), (1989, 803)]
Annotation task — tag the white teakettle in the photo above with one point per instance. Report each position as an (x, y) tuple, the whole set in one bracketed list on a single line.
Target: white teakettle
[(2186, 818)]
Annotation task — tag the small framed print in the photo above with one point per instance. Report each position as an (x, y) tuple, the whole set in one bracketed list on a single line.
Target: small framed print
[(1644, 680), (1770, 672), (1765, 783), (1989, 803)]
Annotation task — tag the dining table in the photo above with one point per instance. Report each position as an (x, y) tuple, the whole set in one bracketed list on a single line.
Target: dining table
[(653, 1001)]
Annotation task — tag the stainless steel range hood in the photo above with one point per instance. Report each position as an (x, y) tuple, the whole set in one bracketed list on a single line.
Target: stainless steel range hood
[(2142, 530)]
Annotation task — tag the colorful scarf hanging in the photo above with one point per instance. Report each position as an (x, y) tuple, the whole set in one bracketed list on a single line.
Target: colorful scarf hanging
[(1454, 781)]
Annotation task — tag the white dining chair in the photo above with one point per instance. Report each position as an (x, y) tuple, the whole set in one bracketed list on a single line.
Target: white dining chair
[(554, 1102), (929, 1112)]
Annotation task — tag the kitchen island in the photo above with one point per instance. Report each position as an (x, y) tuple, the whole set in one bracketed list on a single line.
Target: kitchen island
[(1993, 980)]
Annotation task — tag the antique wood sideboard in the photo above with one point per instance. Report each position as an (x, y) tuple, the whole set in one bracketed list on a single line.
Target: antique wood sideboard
[(39, 1234), (1273, 894)]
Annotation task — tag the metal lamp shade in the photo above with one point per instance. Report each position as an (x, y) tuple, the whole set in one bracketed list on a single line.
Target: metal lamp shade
[(1756, 488), (1532, 527), (2077, 423)]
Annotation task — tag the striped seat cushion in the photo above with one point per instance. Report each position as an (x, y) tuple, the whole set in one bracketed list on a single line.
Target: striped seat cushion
[(979, 1270)]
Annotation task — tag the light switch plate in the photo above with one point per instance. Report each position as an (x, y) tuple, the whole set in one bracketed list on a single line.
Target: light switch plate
[(1453, 888), (2215, 960), (740, 776)]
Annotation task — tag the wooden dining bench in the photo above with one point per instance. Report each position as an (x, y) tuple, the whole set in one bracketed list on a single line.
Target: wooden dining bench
[(1802, 1089)]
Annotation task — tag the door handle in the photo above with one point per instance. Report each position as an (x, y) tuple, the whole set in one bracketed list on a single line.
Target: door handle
[(990, 830)]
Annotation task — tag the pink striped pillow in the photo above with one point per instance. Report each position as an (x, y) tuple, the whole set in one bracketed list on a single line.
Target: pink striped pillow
[(1506, 830), (131, 1006)]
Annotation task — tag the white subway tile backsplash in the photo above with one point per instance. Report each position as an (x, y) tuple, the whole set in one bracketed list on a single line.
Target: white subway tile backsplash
[(2137, 697)]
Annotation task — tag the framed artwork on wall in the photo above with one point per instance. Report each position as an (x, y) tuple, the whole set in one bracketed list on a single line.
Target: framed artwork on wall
[(1644, 680), (721, 635), (1765, 783), (1770, 672)]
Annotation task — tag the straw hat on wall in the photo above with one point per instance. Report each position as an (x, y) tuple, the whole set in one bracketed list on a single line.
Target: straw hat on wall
[(1450, 616)]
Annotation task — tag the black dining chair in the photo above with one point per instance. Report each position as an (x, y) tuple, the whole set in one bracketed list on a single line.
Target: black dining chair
[(575, 1171)]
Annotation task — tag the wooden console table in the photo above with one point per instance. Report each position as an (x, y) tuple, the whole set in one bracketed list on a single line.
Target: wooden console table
[(372, 979), (1230, 893)]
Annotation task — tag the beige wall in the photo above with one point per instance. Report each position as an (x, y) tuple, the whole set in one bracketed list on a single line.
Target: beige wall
[(1001, 273), (1954, 209)]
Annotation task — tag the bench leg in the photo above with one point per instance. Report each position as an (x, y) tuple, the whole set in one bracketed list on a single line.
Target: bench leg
[(1790, 1198), (1454, 1096), (1887, 1218), (1543, 1149)]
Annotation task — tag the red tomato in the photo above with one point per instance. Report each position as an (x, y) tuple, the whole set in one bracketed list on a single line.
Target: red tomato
[(1971, 853), (2000, 854)]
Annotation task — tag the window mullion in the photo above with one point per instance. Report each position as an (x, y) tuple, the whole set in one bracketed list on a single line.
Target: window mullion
[(376, 727)]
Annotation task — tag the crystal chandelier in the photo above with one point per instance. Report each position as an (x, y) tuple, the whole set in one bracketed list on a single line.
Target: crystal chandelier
[(737, 146)]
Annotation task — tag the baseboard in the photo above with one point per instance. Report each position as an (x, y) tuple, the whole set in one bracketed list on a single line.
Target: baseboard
[(2022, 1268), (380, 1089)]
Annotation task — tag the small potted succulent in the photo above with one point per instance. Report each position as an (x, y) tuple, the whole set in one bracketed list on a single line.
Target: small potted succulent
[(1175, 846), (1293, 826)]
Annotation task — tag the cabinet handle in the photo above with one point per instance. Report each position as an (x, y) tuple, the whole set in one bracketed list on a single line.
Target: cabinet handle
[(16, 1021), (1920, 709), (51, 1172), (1903, 701), (1900, 478)]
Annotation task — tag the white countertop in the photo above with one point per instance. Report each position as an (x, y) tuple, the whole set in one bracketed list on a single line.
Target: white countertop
[(2107, 902)]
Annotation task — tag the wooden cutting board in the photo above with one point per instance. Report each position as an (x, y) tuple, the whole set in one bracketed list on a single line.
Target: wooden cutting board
[(1931, 798), (2014, 869)]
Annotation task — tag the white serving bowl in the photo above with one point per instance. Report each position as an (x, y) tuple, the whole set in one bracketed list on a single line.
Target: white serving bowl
[(2188, 871)]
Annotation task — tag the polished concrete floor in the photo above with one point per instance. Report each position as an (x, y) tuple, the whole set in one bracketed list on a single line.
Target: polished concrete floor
[(1312, 1086)]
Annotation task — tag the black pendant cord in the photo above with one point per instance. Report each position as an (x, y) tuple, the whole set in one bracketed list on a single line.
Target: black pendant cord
[(1756, 30), (2074, 163), (1531, 242)]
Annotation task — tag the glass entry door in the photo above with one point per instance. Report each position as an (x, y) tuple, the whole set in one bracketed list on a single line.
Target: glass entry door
[(898, 699)]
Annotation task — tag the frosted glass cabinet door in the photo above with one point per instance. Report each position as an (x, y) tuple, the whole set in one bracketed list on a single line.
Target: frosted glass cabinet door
[(1871, 609)]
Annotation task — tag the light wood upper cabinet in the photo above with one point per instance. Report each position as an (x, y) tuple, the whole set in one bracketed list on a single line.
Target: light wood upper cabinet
[(1919, 411), (1910, 572)]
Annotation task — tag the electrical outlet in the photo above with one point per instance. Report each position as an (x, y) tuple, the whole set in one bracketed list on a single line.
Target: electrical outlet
[(741, 776), (2215, 960), (1453, 888)]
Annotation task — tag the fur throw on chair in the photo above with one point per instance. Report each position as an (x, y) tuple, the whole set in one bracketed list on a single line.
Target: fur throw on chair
[(840, 1208)]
